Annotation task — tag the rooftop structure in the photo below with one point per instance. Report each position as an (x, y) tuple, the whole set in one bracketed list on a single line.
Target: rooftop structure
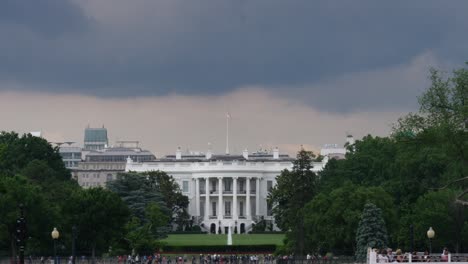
[(336, 151), (95, 138), (119, 154), (71, 156), (36, 133), (101, 166)]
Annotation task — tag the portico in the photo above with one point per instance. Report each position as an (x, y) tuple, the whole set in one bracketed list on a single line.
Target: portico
[(227, 199)]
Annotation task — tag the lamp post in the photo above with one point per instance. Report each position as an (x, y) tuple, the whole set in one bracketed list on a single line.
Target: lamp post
[(21, 233), (55, 235), (430, 235), (73, 244), (411, 238)]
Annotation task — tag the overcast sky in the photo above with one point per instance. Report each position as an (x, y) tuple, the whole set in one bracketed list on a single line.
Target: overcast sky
[(166, 71)]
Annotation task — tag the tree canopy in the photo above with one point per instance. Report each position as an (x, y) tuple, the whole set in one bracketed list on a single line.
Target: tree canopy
[(291, 193)]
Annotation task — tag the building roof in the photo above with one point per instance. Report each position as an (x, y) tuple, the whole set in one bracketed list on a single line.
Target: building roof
[(225, 157), (63, 149), (119, 151), (95, 135)]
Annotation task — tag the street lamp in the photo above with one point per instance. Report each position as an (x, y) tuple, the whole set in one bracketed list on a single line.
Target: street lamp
[(21, 233), (73, 244), (411, 238), (55, 235), (430, 235)]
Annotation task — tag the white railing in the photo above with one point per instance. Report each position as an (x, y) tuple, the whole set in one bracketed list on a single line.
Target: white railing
[(372, 258)]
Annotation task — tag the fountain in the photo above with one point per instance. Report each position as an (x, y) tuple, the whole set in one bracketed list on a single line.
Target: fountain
[(229, 236)]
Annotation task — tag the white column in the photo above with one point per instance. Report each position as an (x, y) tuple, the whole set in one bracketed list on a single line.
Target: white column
[(247, 209), (220, 198), (207, 199), (257, 196), (197, 196), (234, 198)]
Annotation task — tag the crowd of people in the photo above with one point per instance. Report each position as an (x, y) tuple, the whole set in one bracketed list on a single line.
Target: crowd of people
[(388, 256), (200, 259)]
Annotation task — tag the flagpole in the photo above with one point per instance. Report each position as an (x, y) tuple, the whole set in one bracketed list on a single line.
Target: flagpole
[(227, 132)]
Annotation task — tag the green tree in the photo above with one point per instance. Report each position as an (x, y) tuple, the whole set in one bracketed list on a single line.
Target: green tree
[(172, 196), (293, 190), (371, 231), (34, 170), (143, 236), (331, 219), (137, 192), (369, 162), (17, 152), (99, 215), (151, 217), (14, 191), (158, 220), (437, 209), (442, 123)]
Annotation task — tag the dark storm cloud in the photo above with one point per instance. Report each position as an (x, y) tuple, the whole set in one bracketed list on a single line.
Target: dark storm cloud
[(46, 17), (300, 48)]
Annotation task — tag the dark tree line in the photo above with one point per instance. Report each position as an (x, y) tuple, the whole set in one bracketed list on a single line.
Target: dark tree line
[(134, 213)]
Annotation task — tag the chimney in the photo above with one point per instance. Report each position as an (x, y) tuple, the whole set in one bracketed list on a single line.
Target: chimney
[(178, 154), (276, 153), (245, 153), (349, 140), (209, 154), (129, 160)]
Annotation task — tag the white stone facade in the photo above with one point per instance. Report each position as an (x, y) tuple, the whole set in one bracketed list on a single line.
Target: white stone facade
[(224, 190), (102, 166)]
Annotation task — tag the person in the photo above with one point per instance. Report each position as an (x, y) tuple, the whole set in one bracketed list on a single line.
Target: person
[(425, 257), (382, 257), (399, 256), (444, 256), (390, 255)]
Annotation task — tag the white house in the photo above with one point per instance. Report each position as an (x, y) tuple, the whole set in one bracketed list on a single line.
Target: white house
[(224, 190)]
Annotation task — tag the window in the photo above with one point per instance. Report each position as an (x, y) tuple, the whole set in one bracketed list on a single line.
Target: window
[(253, 186), (213, 186), (269, 185), (185, 186), (109, 177), (241, 208), (227, 185), (202, 207), (227, 208), (269, 209), (213, 207)]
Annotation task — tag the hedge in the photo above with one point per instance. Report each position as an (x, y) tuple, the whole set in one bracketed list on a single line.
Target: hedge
[(220, 248), (187, 232), (266, 232)]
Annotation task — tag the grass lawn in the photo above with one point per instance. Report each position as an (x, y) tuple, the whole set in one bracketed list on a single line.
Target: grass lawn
[(202, 239), (258, 239), (195, 239)]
